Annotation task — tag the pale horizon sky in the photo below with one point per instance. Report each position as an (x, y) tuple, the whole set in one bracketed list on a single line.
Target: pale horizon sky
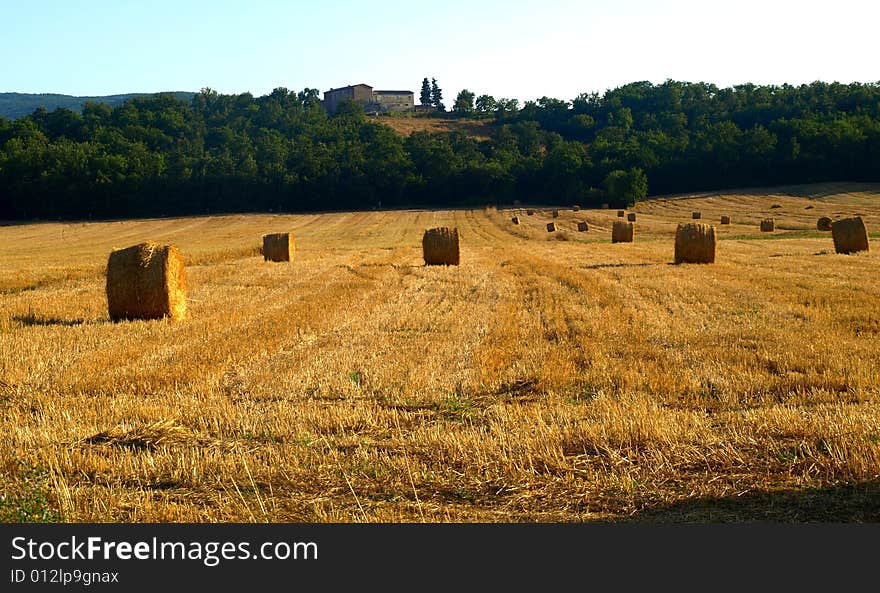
[(515, 48)]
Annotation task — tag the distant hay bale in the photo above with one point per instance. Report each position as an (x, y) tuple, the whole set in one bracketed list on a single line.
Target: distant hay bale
[(622, 232), (631, 217), (776, 206), (515, 220), (551, 227), (278, 247), (605, 206), (530, 212), (767, 225), (695, 243), (146, 281), (556, 214), (576, 208), (696, 215), (582, 226), (824, 224), (850, 235), (621, 213), (725, 220), (440, 246)]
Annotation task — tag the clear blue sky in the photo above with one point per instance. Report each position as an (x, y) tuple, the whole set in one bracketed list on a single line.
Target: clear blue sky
[(512, 48)]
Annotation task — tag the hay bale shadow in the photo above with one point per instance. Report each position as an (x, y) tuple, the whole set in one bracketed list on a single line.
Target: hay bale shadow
[(600, 266), (32, 319), (850, 503)]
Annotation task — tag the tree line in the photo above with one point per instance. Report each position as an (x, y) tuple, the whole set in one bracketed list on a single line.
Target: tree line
[(282, 152)]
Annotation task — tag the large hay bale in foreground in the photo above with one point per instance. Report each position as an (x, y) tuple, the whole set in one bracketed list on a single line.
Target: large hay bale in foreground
[(556, 214), (725, 220), (824, 224), (622, 232), (850, 235), (146, 281), (440, 246), (551, 227), (621, 213), (695, 243), (582, 226), (696, 215), (631, 217), (767, 225), (278, 247)]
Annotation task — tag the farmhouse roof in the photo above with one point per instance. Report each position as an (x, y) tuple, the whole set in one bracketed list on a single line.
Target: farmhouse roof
[(351, 86), (393, 92)]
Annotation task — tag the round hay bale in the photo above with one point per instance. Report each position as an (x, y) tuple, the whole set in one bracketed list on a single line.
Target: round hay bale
[(725, 220), (622, 232), (530, 212), (440, 246), (767, 225), (695, 243), (850, 235), (823, 224), (621, 213), (515, 220), (696, 215), (278, 247), (582, 226), (146, 281), (551, 227), (556, 214), (631, 217)]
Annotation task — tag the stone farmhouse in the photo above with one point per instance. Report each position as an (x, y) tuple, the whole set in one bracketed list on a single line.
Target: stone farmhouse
[(372, 101)]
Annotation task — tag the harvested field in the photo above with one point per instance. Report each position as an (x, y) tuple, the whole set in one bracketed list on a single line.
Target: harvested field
[(540, 380), (405, 126)]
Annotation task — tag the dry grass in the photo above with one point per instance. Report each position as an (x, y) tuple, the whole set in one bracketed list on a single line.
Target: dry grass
[(537, 381), (405, 126)]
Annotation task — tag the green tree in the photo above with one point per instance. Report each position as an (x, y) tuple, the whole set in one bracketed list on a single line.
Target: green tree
[(425, 95), (349, 108), (309, 97), (464, 103), (625, 188), (437, 96), (485, 104), (506, 107)]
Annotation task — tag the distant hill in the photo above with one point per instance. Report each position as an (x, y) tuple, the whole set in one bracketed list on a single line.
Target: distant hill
[(14, 105)]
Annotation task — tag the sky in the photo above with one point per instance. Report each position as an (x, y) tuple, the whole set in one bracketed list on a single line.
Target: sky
[(513, 48)]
